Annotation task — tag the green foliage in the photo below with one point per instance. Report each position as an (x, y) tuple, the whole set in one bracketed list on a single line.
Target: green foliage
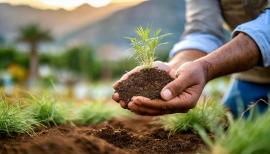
[(96, 113), (47, 110), (207, 114), (121, 66), (46, 58), (9, 55), (244, 136), (33, 33), (145, 45), (15, 119), (80, 59), (44, 110)]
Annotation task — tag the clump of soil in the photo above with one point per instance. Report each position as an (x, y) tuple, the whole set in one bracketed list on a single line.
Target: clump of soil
[(148, 83), (127, 136)]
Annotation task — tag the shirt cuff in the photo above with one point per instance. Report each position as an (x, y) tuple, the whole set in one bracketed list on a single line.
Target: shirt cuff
[(259, 31), (200, 41)]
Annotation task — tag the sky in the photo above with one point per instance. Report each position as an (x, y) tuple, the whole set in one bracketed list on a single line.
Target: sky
[(66, 4)]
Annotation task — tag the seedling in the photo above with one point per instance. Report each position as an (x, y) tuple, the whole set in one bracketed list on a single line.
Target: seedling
[(149, 81), (145, 45)]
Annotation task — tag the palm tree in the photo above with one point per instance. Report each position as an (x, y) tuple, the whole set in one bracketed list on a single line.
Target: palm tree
[(33, 35)]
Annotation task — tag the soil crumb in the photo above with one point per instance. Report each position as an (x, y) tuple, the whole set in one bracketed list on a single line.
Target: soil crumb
[(148, 83), (136, 136)]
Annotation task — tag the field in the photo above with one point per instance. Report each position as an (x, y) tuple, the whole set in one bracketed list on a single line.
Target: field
[(136, 135), (42, 123), (86, 80), (82, 118)]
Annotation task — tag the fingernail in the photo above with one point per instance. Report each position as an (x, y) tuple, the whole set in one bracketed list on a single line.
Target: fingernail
[(166, 94)]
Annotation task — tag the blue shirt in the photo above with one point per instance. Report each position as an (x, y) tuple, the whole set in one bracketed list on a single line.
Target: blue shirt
[(258, 29)]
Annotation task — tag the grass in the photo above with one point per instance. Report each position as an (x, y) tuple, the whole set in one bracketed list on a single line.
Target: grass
[(15, 119), (244, 135), (22, 113), (241, 136), (47, 110), (96, 112), (207, 114), (145, 45)]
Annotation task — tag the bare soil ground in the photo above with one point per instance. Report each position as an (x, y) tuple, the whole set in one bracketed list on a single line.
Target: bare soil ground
[(137, 135)]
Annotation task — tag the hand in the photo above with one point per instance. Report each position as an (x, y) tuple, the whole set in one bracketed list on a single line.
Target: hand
[(160, 65), (179, 95)]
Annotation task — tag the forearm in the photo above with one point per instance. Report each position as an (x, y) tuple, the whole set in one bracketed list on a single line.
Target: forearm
[(185, 56), (240, 54)]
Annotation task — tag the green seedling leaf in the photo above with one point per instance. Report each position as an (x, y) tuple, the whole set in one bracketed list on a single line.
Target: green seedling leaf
[(146, 44)]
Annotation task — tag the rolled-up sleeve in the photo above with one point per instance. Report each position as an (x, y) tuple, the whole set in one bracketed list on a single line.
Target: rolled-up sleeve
[(259, 31), (200, 41), (203, 29)]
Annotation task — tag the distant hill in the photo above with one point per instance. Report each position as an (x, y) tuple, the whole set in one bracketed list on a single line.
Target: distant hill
[(59, 22), (166, 14), (103, 28)]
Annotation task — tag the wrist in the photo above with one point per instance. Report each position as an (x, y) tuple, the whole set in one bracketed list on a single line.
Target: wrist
[(240, 54), (185, 56), (206, 68)]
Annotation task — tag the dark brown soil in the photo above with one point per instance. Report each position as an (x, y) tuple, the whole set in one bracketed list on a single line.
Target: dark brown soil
[(148, 83), (138, 135)]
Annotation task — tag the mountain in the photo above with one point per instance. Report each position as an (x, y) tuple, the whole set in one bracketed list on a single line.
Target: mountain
[(59, 22), (103, 28), (110, 31)]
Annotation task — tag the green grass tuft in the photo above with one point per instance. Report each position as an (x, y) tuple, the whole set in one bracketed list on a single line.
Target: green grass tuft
[(47, 110), (207, 114), (97, 112), (44, 110), (15, 119), (145, 45), (245, 136)]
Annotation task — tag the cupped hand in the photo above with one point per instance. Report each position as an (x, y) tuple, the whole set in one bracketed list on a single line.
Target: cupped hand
[(178, 96), (160, 65)]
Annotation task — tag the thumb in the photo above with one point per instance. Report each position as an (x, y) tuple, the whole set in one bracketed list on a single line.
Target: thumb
[(174, 88)]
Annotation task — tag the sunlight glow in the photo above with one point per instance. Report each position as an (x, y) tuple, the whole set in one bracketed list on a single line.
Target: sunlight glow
[(67, 4), (98, 3)]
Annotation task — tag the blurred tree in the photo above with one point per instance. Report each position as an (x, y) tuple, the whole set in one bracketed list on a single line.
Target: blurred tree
[(33, 35), (45, 58), (82, 60)]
